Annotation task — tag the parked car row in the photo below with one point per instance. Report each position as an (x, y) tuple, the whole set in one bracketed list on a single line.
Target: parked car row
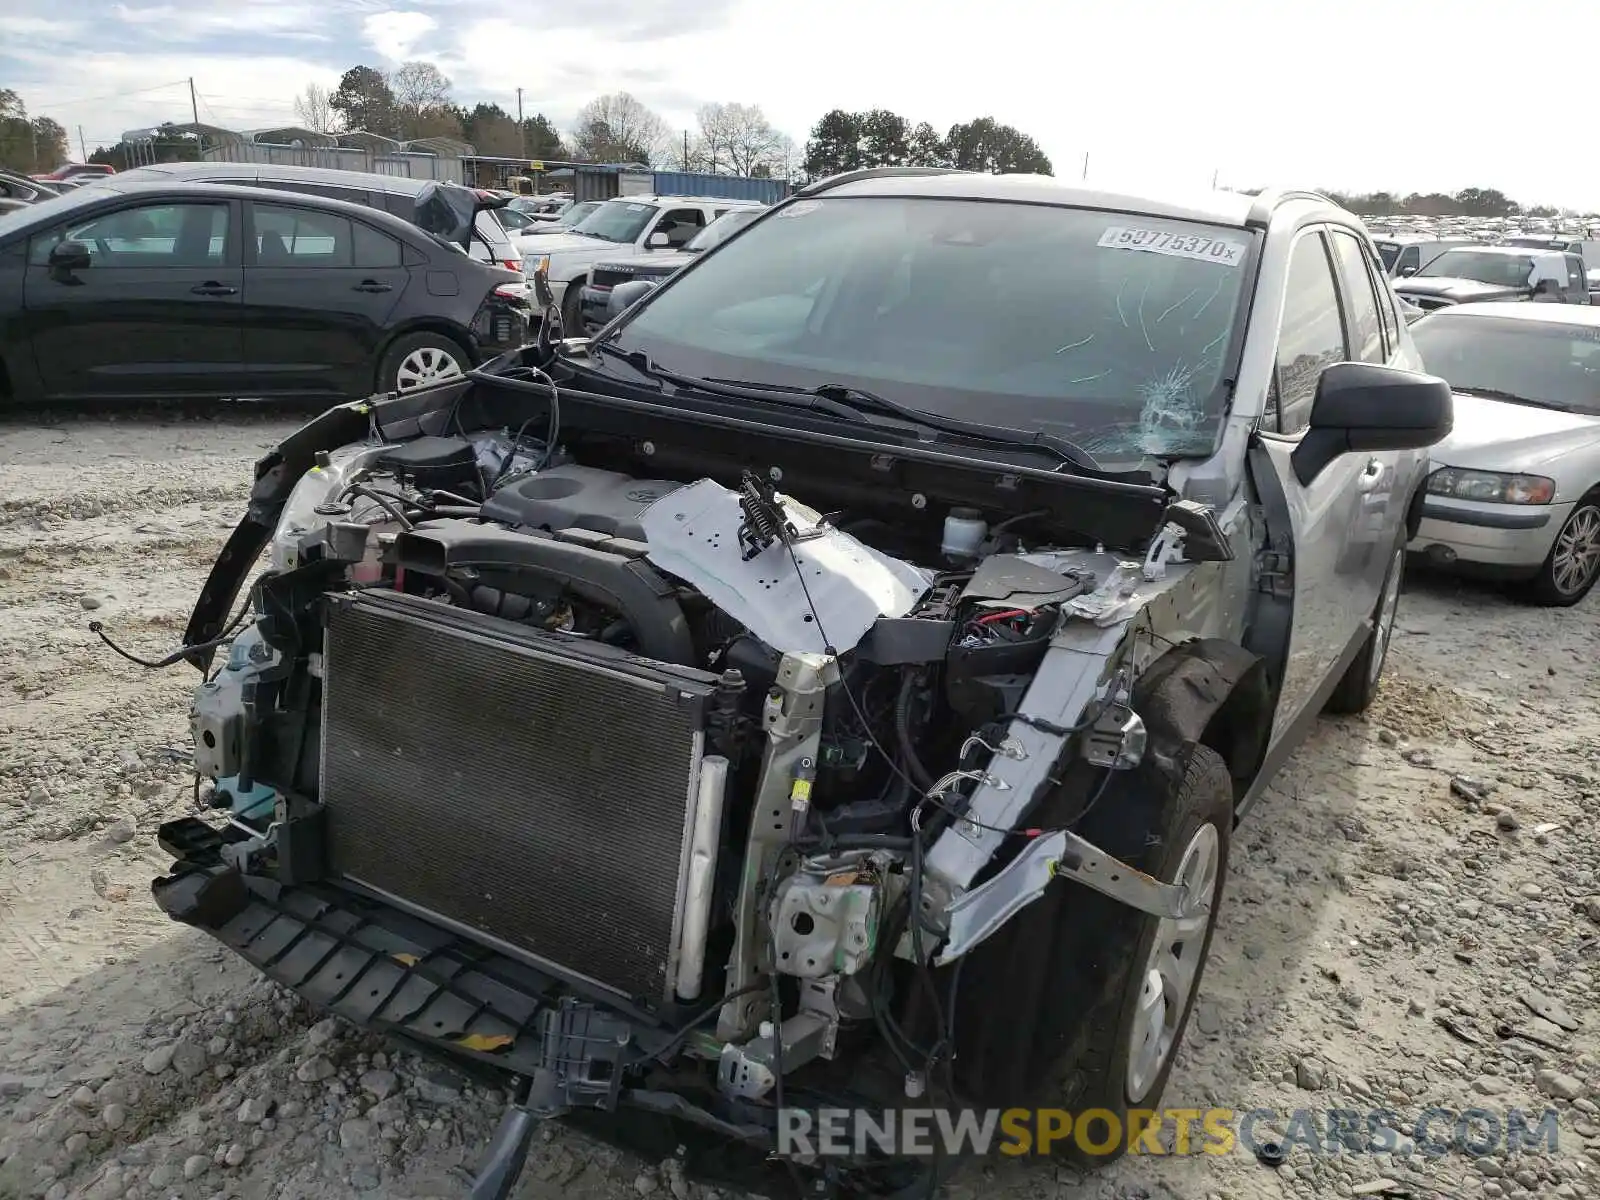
[(200, 279), (641, 224), (608, 291), (1463, 274), (19, 189)]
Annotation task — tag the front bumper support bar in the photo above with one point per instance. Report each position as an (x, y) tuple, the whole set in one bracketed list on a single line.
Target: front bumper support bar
[(976, 914)]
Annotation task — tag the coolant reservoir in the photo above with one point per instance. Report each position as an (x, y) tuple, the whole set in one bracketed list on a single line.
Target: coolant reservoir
[(964, 531)]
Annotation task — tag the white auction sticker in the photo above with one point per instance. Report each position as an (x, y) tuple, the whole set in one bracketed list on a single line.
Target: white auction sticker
[(1179, 245)]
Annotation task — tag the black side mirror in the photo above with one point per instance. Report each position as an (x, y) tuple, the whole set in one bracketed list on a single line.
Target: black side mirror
[(1364, 406), (70, 256), (1407, 272)]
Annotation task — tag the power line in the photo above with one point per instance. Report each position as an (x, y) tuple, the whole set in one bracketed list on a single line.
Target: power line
[(112, 95)]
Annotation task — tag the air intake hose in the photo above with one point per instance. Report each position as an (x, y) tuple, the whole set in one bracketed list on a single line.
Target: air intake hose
[(629, 587)]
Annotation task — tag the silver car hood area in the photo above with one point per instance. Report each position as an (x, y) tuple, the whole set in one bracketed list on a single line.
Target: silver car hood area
[(1501, 435)]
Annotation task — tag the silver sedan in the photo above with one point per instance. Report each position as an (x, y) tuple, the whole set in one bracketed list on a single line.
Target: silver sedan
[(1515, 490)]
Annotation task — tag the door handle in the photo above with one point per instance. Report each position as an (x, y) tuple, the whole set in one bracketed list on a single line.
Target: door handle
[(214, 289), (372, 285)]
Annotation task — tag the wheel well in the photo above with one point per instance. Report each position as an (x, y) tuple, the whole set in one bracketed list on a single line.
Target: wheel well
[(1240, 729), (1214, 693), (1414, 508)]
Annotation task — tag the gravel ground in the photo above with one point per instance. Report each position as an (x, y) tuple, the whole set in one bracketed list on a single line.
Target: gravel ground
[(1415, 879)]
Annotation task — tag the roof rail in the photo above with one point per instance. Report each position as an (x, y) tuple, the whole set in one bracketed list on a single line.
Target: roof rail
[(1267, 202), (833, 181)]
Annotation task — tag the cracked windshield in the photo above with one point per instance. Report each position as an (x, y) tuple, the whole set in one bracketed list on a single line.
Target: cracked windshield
[(1114, 332)]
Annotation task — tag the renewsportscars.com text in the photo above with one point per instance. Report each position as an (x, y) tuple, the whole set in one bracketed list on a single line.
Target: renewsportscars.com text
[(1434, 1132)]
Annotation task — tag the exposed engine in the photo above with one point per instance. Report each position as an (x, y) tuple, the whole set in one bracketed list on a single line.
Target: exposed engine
[(669, 739)]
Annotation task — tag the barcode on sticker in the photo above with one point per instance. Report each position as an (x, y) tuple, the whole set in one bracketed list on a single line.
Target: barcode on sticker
[(1179, 245)]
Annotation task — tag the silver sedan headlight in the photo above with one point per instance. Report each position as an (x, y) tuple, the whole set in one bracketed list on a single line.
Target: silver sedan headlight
[(1491, 486)]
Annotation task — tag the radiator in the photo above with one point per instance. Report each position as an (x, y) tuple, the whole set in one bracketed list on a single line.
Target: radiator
[(530, 788)]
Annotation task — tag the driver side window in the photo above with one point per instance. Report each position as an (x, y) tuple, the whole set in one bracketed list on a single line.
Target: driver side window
[(150, 235), (1312, 334)]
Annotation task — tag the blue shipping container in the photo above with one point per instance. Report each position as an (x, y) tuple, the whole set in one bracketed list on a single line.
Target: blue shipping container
[(722, 187)]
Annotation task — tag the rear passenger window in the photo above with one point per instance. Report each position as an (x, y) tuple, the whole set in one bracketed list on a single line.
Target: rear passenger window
[(681, 224), (374, 250), (299, 237), (1366, 329), (1311, 336)]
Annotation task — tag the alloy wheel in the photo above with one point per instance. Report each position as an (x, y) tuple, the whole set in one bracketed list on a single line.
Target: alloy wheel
[(1575, 558), (426, 365), (1169, 974)]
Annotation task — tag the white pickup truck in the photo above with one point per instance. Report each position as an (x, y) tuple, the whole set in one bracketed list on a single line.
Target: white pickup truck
[(640, 223)]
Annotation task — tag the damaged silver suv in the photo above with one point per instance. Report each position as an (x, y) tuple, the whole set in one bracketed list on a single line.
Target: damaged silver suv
[(837, 683)]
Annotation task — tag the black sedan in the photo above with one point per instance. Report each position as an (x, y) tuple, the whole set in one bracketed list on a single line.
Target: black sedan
[(179, 291)]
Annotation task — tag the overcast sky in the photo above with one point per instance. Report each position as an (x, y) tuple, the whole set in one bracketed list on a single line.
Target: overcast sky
[(1351, 94)]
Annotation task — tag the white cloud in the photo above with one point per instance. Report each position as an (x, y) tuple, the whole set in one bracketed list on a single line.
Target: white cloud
[(107, 94), (21, 26), (396, 35), (172, 23), (1334, 93)]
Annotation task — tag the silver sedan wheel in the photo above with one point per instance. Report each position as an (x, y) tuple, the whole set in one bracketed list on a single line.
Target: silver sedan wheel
[(1169, 974), (1383, 631), (426, 365), (1576, 556)]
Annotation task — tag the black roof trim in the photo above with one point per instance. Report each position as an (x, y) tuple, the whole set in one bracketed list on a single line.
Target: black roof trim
[(844, 177), (1268, 201)]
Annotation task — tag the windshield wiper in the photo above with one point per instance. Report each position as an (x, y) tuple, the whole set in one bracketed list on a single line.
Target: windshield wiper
[(862, 400), (729, 388), (1509, 397), (737, 389), (853, 404)]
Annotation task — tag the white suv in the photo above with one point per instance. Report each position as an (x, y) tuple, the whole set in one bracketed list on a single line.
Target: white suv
[(639, 223)]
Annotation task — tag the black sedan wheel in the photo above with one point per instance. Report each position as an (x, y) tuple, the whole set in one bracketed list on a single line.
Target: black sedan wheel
[(421, 360)]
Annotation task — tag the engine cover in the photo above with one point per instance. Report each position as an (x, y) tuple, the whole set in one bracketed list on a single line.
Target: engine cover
[(531, 789), (574, 497)]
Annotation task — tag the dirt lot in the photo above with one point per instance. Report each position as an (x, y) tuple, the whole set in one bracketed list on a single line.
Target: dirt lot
[(1415, 879)]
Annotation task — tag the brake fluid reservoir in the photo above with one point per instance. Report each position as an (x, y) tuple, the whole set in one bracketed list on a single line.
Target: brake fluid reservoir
[(964, 531)]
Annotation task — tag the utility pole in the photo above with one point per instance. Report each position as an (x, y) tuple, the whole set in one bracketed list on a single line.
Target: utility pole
[(522, 130), (194, 104), (1086, 164), (1214, 175), (686, 150), (82, 148)]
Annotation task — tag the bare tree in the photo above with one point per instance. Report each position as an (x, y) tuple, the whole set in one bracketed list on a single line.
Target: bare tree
[(313, 110), (419, 86), (739, 140), (421, 97), (618, 128)]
